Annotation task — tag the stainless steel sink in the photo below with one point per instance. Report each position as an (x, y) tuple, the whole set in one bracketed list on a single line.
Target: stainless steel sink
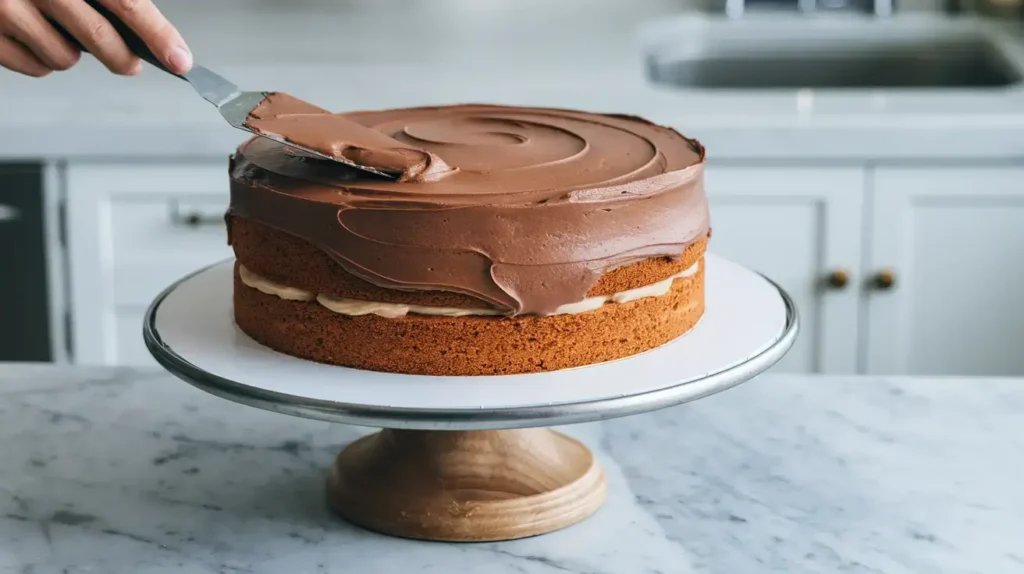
[(852, 57)]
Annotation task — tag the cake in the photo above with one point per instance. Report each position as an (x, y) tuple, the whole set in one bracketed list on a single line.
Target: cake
[(515, 240)]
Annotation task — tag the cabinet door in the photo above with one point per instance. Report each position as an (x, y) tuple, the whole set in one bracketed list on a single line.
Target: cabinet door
[(798, 226), (952, 240), (133, 229)]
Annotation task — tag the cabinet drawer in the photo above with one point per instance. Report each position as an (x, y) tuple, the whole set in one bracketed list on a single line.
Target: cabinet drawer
[(147, 211), (158, 240), (154, 228)]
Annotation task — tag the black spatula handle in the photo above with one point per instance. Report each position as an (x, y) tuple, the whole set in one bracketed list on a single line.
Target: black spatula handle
[(131, 39)]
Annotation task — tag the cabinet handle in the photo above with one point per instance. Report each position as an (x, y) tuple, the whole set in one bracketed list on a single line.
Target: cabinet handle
[(837, 279), (884, 280), (193, 219)]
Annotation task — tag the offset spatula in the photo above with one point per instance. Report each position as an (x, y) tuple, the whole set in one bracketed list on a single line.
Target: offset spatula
[(234, 104)]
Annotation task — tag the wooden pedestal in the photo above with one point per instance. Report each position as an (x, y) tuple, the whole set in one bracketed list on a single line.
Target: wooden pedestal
[(466, 485)]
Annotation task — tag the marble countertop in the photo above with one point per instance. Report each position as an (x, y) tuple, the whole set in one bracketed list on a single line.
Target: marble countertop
[(133, 471), (357, 54)]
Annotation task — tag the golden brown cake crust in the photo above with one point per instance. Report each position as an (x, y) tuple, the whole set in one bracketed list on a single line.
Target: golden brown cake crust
[(468, 345), (285, 259)]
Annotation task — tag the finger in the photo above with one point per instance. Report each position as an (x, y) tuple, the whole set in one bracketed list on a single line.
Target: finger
[(16, 57), (95, 33), (149, 23), (27, 25)]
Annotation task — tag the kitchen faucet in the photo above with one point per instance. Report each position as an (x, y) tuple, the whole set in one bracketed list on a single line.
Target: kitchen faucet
[(738, 8)]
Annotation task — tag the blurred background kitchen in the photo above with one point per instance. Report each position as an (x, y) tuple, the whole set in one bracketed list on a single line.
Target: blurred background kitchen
[(866, 154)]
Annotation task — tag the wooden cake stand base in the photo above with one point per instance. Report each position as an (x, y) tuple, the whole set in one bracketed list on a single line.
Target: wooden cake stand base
[(466, 485)]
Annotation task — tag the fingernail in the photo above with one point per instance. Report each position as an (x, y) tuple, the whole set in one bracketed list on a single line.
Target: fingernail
[(136, 69), (180, 59)]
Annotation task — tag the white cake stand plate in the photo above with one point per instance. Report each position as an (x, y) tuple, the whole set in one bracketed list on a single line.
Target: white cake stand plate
[(442, 469)]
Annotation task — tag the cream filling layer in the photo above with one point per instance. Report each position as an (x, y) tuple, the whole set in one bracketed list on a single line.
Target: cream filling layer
[(357, 307)]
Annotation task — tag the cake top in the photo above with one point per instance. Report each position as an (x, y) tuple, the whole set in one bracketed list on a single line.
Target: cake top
[(524, 208)]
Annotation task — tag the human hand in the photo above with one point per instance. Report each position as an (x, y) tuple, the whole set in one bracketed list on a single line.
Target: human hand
[(30, 44)]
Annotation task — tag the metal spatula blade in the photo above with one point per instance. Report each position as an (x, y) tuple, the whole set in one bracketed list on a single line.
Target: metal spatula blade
[(234, 104)]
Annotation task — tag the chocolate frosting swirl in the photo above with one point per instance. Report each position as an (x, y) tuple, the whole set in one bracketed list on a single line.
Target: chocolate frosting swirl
[(532, 206)]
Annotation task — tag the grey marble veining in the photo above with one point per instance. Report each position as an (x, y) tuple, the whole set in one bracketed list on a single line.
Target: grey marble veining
[(133, 471)]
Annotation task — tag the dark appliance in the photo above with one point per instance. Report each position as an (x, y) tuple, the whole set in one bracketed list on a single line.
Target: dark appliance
[(24, 293)]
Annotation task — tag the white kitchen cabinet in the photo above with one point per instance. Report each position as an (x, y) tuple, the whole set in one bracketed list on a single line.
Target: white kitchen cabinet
[(950, 239), (802, 228), (132, 230), (135, 228)]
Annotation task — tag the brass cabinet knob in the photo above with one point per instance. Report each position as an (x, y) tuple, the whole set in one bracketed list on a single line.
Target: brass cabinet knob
[(884, 280), (837, 279)]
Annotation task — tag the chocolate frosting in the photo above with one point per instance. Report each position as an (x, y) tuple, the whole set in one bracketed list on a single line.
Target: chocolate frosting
[(531, 207)]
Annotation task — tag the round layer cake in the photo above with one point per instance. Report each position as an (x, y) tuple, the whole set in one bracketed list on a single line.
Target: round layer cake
[(529, 240)]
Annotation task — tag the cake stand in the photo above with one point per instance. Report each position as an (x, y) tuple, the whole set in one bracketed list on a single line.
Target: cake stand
[(468, 458)]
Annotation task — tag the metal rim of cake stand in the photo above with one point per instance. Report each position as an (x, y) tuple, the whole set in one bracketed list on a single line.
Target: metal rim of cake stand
[(466, 419)]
